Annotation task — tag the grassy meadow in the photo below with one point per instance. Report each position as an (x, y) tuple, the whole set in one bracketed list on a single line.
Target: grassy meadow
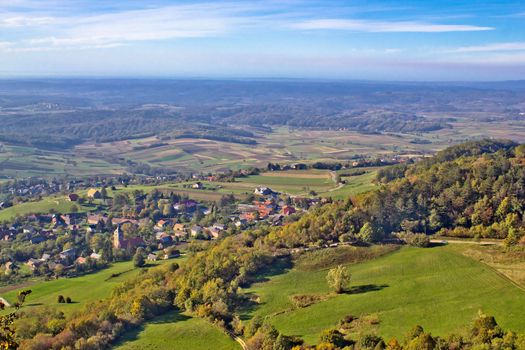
[(82, 290), (177, 331), (438, 288)]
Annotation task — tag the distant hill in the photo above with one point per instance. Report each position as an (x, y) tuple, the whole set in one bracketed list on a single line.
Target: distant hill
[(64, 112)]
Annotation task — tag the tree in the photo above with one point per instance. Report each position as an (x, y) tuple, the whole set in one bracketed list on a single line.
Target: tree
[(368, 233), (138, 258), (68, 300), (8, 337), (60, 299), (338, 279)]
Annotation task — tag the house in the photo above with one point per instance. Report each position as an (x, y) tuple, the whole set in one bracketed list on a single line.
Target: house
[(220, 227), (170, 253), (94, 193), (299, 166), (152, 257), (45, 257), (178, 227), (9, 266), (72, 197), (187, 205), (195, 230), (121, 221), (80, 260), (288, 210), (162, 223), (95, 256), (181, 235), (277, 219), (214, 232), (33, 263), (197, 186), (240, 222), (37, 239), (94, 219), (58, 220), (68, 254), (263, 191)]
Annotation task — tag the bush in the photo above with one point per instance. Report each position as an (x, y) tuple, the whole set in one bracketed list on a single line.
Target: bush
[(61, 299), (420, 240), (305, 300), (68, 300)]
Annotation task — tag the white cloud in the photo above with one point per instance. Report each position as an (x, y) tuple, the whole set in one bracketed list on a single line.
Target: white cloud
[(25, 21), (495, 47), (383, 27)]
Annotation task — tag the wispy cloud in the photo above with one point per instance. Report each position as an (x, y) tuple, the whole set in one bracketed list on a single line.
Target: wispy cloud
[(495, 47), (384, 27), (114, 29)]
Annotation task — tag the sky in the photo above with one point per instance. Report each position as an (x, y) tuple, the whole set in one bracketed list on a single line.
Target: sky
[(434, 40)]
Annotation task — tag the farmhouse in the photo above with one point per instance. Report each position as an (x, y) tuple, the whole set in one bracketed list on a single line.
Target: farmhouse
[(94, 193)]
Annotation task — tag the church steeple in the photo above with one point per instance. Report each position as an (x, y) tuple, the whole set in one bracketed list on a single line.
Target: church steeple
[(117, 237)]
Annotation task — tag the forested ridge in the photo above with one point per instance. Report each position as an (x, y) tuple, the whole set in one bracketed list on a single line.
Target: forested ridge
[(477, 188)]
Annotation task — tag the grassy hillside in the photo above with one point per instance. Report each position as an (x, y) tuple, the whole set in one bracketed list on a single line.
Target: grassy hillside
[(177, 331), (81, 290), (438, 288)]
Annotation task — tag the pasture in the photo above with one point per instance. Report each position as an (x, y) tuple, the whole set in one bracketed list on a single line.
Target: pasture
[(44, 206), (82, 290), (437, 288), (177, 331)]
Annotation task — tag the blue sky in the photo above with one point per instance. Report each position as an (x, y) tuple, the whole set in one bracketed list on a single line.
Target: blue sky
[(378, 40)]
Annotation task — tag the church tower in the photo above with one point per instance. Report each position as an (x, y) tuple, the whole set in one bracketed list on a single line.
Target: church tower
[(118, 236)]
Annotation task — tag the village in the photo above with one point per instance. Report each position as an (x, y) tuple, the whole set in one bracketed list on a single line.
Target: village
[(158, 225)]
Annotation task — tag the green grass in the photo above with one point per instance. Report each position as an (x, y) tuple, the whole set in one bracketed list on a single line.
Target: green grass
[(44, 206), (438, 288), (81, 290), (354, 185), (176, 331)]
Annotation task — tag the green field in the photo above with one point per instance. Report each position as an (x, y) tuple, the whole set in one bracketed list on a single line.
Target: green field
[(438, 288), (81, 290), (283, 145), (46, 205), (177, 331)]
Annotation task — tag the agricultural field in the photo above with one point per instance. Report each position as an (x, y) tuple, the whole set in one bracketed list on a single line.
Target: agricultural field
[(177, 331), (81, 290), (439, 288), (282, 145)]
